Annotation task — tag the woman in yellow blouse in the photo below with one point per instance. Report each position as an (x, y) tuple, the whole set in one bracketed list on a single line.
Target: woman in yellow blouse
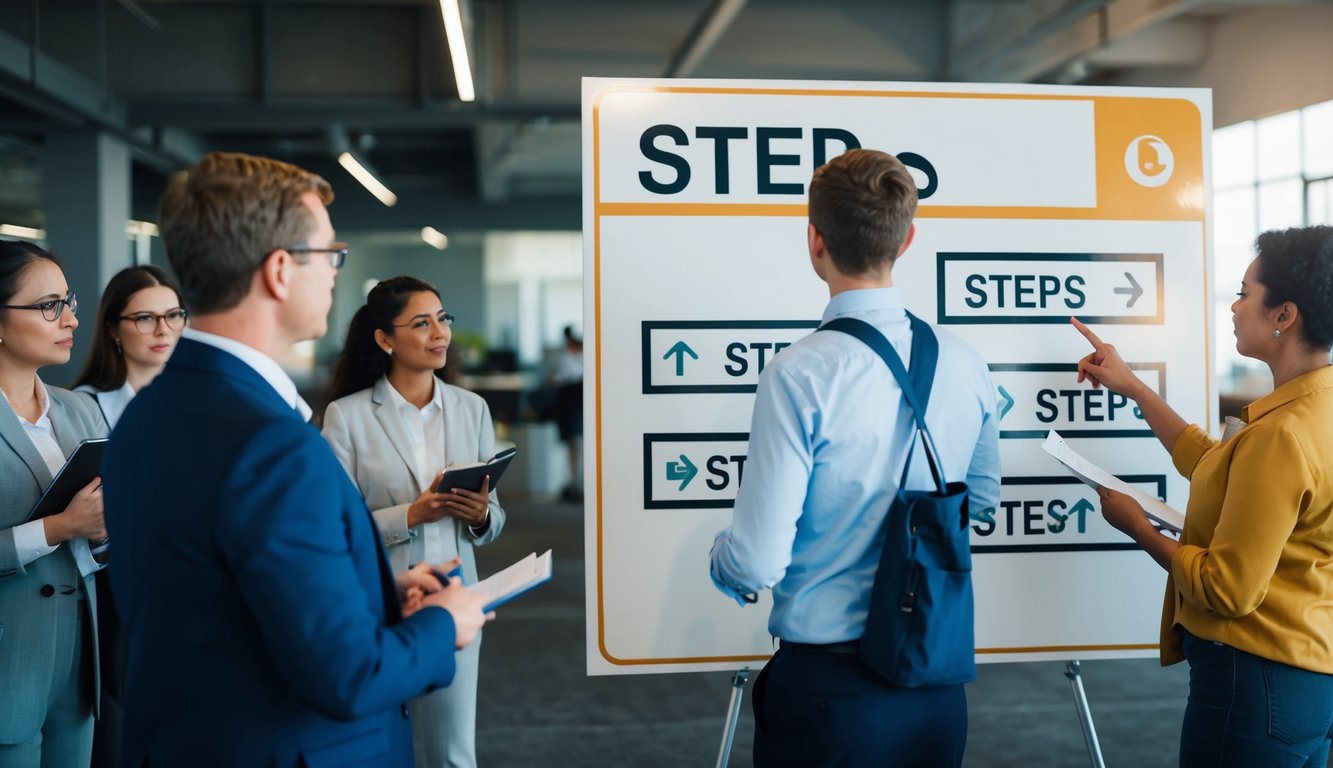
[(1249, 601)]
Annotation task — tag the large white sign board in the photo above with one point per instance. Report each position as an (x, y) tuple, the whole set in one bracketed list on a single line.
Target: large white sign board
[(1037, 203)]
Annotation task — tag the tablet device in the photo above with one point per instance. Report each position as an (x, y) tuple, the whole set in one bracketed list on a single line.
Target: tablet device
[(79, 470), (471, 476)]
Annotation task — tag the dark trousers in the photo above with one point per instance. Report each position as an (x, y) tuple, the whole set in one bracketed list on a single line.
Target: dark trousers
[(822, 708), (1246, 711)]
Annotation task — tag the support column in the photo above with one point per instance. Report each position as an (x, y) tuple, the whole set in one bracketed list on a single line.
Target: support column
[(86, 179)]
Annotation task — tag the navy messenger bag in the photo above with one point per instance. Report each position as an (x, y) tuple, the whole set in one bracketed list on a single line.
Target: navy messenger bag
[(919, 625)]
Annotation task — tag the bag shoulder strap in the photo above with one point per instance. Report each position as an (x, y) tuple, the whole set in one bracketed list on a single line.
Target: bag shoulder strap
[(915, 384)]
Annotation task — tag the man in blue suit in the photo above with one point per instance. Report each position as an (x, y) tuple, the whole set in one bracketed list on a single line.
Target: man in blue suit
[(264, 625)]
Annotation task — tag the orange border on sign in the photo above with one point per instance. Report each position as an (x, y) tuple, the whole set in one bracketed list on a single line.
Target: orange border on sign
[(601, 209)]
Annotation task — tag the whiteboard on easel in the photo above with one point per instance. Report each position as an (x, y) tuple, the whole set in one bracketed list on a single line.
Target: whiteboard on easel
[(1037, 203)]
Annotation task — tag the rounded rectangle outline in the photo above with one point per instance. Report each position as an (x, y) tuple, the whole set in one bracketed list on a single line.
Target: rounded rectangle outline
[(999, 549), (601, 209), (683, 437), (943, 257), (1040, 434), (648, 326)]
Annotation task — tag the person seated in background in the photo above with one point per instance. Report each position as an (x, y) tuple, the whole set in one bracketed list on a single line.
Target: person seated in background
[(48, 601), (394, 425)]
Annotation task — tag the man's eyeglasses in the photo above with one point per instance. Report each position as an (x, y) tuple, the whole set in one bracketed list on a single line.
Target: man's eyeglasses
[(336, 252), (421, 321), (146, 322), (51, 310)]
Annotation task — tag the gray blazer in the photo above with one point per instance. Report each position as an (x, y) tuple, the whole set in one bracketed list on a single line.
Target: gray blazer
[(31, 614), (367, 437)]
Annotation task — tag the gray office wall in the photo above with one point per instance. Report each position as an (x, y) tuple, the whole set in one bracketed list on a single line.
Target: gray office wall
[(457, 271)]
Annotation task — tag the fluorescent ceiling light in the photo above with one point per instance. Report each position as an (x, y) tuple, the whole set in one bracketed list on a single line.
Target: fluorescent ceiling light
[(135, 228), (367, 179), (435, 237), (453, 31), (13, 230)]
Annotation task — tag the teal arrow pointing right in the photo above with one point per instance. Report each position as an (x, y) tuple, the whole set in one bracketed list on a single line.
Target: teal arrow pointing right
[(1006, 402), (683, 470)]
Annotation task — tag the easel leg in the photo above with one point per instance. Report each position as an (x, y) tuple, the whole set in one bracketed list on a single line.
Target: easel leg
[(733, 714), (1084, 714)]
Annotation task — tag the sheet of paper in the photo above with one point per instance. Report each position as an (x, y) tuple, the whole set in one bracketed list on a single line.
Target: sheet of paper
[(515, 580), (1097, 477)]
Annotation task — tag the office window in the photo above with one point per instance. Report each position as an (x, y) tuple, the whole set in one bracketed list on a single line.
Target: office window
[(1271, 173), (1319, 205)]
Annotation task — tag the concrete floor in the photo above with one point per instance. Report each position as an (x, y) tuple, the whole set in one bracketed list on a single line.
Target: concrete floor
[(537, 707)]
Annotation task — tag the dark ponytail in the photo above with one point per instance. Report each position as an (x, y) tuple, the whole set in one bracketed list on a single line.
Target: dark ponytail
[(362, 362)]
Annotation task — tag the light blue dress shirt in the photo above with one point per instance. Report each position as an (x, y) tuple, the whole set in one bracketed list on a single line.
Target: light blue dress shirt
[(828, 443)]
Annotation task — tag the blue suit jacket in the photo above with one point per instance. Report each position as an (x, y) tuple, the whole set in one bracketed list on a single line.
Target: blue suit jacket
[(262, 619)]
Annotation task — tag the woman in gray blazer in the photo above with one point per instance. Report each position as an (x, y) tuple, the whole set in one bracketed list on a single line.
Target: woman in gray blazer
[(48, 608), (395, 425)]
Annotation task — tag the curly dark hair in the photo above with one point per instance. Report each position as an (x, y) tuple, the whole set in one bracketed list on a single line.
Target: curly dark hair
[(1296, 265), (362, 362)]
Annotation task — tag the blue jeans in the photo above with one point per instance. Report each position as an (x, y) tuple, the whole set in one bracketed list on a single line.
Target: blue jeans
[(1249, 712)]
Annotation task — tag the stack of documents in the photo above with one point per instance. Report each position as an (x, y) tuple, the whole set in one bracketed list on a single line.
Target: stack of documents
[(1095, 476)]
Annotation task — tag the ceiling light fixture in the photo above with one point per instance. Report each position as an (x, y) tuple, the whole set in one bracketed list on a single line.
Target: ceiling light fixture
[(453, 31), (13, 230), (435, 237), (340, 146), (362, 174), (135, 228)]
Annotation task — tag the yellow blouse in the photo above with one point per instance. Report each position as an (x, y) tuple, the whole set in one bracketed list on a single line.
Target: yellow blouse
[(1255, 566)]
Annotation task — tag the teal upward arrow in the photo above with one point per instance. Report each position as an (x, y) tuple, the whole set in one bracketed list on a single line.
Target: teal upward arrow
[(1006, 402), (1081, 508), (683, 470), (680, 349)]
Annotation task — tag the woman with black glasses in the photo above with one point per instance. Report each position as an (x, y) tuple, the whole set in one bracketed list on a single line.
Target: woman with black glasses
[(48, 604), (139, 322), (395, 425)]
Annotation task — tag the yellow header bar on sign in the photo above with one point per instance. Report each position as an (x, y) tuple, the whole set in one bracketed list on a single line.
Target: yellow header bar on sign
[(1147, 162)]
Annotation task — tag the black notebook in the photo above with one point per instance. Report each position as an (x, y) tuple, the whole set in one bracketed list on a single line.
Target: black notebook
[(471, 476), (79, 470)]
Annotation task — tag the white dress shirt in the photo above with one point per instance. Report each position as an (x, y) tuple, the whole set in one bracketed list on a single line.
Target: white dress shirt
[(426, 428), (30, 537), (111, 401)]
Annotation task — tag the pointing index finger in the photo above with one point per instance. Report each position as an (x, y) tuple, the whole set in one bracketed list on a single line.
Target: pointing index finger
[(1086, 331)]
